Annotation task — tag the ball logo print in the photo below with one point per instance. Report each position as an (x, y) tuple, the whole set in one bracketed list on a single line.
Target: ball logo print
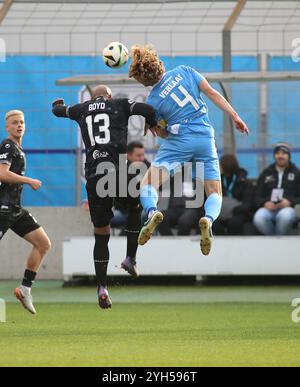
[(115, 55), (296, 311), (296, 52)]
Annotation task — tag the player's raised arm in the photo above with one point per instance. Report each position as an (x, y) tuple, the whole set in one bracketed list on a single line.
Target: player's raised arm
[(59, 109), (221, 102), (146, 111)]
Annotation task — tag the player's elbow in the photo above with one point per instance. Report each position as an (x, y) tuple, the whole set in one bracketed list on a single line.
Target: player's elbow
[(3, 175), (59, 111), (151, 113), (150, 116), (211, 93), (55, 111)]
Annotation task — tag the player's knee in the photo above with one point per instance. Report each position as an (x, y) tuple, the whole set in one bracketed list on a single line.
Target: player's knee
[(48, 246), (212, 187), (102, 230), (44, 246), (213, 190)]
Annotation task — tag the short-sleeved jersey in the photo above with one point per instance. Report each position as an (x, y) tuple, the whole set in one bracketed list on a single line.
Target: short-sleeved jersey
[(104, 128), (13, 155), (177, 100)]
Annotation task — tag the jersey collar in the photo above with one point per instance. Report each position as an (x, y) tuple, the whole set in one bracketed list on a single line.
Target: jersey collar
[(15, 143), (156, 84)]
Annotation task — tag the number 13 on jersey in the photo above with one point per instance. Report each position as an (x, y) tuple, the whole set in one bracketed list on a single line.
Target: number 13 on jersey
[(102, 133)]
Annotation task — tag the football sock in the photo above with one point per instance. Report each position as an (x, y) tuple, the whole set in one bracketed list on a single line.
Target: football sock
[(213, 206), (149, 198), (28, 279), (132, 230), (101, 258), (151, 211)]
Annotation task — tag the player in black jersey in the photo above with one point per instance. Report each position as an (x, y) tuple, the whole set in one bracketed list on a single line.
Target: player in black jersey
[(104, 125), (12, 215)]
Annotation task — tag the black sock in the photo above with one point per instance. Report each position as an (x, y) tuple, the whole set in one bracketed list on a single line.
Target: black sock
[(133, 228), (101, 258), (29, 277)]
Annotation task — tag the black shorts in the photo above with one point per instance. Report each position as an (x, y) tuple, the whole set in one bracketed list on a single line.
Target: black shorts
[(18, 220), (101, 207)]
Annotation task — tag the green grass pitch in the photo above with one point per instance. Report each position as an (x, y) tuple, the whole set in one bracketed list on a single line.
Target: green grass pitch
[(152, 326)]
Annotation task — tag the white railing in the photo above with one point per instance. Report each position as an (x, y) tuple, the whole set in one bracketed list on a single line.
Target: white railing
[(181, 256)]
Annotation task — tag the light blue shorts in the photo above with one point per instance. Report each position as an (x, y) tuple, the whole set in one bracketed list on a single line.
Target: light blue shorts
[(189, 147)]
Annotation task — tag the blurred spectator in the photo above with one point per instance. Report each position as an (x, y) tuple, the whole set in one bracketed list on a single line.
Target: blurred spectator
[(136, 155), (177, 215), (237, 198), (277, 193)]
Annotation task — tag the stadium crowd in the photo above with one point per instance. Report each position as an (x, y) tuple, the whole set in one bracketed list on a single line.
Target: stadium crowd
[(267, 206)]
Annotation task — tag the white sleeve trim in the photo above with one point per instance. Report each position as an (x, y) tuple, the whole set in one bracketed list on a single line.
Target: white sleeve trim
[(132, 106), (67, 111), (5, 162)]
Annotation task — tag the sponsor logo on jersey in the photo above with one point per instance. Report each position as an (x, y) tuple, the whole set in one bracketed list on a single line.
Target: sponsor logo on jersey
[(291, 176), (97, 154), (7, 146), (3, 156)]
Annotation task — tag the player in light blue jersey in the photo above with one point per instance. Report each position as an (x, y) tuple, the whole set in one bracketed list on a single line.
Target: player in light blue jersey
[(176, 98)]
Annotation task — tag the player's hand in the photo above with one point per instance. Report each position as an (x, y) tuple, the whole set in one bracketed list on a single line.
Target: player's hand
[(270, 206), (59, 101), (161, 132), (161, 129), (35, 184), (152, 130), (240, 125)]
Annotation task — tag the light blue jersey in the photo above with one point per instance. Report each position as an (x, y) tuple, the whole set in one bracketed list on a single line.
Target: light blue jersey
[(177, 100)]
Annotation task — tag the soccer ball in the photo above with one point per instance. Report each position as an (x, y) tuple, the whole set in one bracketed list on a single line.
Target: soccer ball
[(115, 55)]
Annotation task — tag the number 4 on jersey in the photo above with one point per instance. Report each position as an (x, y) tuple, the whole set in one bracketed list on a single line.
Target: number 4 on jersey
[(188, 98)]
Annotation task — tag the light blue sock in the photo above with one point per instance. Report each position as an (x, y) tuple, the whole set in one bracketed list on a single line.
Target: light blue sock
[(149, 198), (213, 206)]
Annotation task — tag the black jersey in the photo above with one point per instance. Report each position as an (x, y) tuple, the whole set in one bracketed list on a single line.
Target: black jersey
[(104, 128), (13, 155)]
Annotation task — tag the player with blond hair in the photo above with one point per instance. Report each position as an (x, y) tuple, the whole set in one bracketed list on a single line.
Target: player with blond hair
[(12, 215), (176, 98)]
